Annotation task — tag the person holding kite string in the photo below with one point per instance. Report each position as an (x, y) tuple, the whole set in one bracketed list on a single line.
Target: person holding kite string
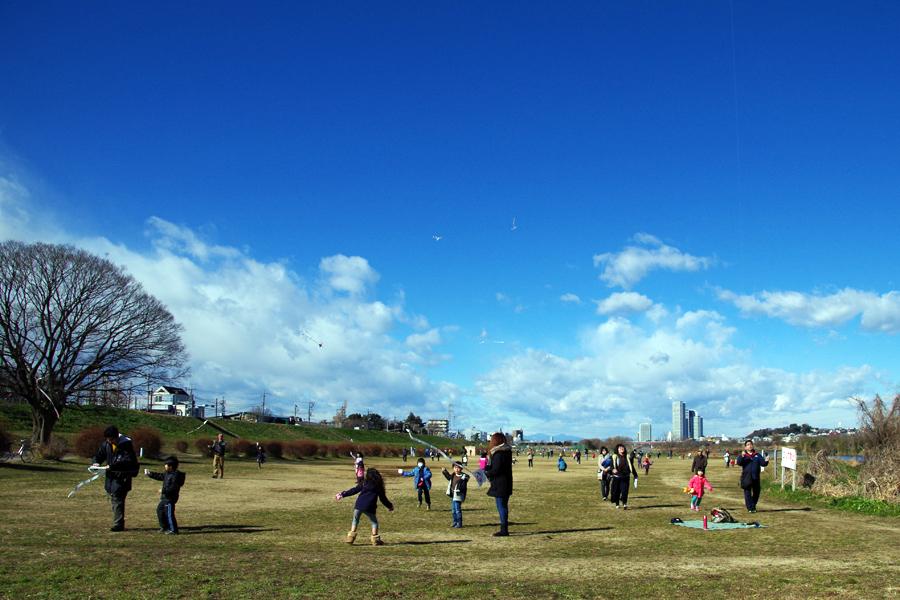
[(118, 453)]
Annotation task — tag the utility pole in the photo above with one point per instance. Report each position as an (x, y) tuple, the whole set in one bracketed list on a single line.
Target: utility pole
[(309, 410), (264, 404)]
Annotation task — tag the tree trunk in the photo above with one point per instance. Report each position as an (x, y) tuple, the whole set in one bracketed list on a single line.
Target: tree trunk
[(42, 422)]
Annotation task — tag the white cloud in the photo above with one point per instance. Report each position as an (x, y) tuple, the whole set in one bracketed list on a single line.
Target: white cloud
[(570, 298), (628, 374), (879, 314), (349, 273), (632, 264), (623, 303)]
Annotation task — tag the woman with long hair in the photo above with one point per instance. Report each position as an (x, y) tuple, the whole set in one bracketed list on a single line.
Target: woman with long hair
[(499, 473), (622, 470)]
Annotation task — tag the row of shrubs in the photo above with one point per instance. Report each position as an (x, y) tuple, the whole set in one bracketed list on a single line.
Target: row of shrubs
[(298, 449), (148, 440)]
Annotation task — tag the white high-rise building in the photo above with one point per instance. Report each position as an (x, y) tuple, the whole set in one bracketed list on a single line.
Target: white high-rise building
[(645, 433), (678, 418)]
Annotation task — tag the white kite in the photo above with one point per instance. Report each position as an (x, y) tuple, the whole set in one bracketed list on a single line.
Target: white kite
[(479, 475)]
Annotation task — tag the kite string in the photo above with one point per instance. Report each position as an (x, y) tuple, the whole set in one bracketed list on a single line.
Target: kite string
[(91, 469), (479, 475)]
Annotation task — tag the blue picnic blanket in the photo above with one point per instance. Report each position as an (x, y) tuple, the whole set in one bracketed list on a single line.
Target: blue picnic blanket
[(711, 525)]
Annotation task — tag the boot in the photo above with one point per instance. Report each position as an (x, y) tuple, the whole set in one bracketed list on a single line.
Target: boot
[(504, 531), (376, 540), (351, 537), (427, 507)]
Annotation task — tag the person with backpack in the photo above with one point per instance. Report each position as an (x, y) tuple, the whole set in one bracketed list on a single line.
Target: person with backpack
[(752, 463), (604, 468), (122, 465)]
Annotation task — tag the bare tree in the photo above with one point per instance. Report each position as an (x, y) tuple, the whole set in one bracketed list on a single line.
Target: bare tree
[(69, 321)]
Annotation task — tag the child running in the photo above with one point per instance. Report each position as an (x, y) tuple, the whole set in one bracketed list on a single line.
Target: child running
[(422, 480), (456, 489), (370, 490), (695, 487)]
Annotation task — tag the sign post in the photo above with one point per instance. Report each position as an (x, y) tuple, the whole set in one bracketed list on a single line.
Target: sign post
[(789, 461)]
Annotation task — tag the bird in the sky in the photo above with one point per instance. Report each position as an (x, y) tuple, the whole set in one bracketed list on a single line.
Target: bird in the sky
[(437, 238)]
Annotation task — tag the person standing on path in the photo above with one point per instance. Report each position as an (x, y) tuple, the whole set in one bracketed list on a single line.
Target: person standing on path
[(530, 455), (752, 463), (218, 452)]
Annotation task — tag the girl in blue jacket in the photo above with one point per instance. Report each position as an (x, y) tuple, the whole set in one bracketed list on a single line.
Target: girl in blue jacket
[(422, 479)]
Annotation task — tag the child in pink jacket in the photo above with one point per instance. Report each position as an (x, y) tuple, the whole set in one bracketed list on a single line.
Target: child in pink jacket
[(695, 487)]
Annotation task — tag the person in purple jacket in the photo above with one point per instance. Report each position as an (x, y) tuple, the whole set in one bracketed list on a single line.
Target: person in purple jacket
[(370, 490)]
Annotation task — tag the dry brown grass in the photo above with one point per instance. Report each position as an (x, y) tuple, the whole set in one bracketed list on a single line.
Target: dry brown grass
[(277, 532)]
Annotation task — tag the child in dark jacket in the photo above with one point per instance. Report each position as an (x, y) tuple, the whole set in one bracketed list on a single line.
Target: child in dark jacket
[(172, 480), (370, 490), (456, 489)]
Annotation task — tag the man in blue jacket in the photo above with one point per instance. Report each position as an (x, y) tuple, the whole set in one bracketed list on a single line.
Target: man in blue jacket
[(752, 463), (118, 453)]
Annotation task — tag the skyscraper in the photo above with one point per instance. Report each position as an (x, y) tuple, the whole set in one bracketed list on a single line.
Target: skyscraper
[(689, 425), (678, 429), (645, 434)]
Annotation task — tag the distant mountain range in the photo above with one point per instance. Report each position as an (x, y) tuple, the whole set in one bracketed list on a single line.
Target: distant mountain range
[(545, 437)]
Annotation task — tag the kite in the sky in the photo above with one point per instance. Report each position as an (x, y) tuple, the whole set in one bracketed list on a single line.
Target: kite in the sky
[(514, 224), (310, 339), (437, 238)]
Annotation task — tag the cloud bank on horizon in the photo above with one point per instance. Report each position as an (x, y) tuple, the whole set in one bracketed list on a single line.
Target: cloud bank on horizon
[(249, 326)]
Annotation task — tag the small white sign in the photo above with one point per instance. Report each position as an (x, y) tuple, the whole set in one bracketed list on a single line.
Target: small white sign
[(789, 458)]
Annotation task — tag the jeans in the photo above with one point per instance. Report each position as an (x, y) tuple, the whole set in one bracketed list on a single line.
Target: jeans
[(503, 509), (456, 509)]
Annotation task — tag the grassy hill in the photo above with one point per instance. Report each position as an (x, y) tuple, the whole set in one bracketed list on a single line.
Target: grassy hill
[(171, 428)]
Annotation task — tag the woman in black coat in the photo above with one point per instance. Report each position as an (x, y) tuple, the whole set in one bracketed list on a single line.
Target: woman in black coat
[(499, 473)]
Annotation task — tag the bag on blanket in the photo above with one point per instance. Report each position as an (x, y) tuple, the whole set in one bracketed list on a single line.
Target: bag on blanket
[(720, 515)]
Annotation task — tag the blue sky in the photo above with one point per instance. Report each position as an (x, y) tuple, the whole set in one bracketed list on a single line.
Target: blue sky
[(640, 200)]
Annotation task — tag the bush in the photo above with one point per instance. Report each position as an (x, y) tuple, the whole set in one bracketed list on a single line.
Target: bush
[(88, 441), (242, 447), (302, 449), (55, 450), (342, 450), (274, 448), (203, 446), (181, 446), (147, 439)]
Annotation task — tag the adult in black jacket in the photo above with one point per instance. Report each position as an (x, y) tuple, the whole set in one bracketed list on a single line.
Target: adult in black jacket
[(499, 473), (699, 463), (118, 453)]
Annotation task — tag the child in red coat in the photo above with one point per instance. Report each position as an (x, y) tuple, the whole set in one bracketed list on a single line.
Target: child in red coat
[(695, 487)]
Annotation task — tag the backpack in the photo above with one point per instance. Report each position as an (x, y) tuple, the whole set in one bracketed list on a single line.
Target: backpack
[(720, 515)]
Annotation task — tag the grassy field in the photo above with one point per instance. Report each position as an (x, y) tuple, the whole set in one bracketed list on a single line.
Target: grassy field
[(278, 533)]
